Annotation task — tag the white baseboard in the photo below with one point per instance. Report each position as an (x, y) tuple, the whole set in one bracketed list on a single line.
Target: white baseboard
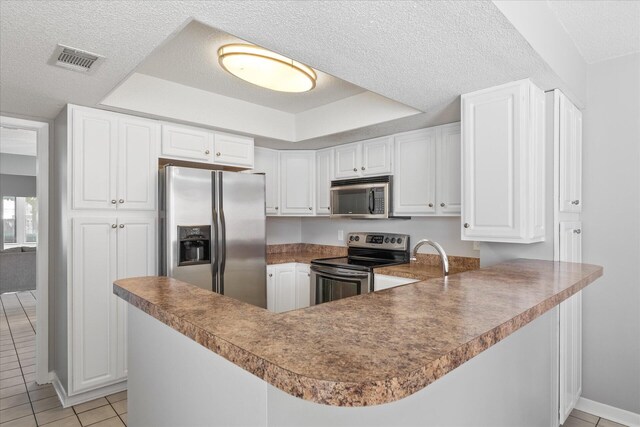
[(609, 412), (68, 401)]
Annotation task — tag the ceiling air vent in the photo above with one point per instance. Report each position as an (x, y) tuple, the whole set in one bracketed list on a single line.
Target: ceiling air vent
[(75, 59)]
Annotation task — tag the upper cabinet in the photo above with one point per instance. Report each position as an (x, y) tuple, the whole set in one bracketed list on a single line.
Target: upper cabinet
[(427, 172), (297, 179), (503, 164), (570, 155), (114, 160), (365, 158), (266, 162), (324, 175), (202, 145)]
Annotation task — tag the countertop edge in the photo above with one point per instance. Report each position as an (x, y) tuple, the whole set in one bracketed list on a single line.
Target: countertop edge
[(368, 393)]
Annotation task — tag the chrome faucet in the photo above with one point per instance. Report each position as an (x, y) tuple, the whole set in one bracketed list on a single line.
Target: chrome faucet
[(443, 256)]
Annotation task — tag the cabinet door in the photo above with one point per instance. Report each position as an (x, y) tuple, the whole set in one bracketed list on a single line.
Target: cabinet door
[(570, 331), (376, 156), (570, 153), (285, 290), (233, 150), (297, 182), (414, 182), (94, 151), (136, 257), (93, 311), (324, 175), (271, 288), (186, 143), (266, 162), (347, 161), (448, 170), (303, 286), (138, 145), (491, 140)]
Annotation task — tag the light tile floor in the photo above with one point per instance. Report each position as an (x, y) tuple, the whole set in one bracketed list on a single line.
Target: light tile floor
[(23, 403)]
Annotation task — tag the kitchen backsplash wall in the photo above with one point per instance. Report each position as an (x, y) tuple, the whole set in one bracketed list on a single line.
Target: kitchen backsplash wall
[(444, 230), (283, 230)]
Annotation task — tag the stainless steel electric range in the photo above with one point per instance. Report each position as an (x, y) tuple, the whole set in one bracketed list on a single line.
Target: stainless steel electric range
[(342, 277)]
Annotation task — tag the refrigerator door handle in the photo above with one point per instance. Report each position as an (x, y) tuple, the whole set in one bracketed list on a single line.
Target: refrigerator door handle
[(223, 236), (216, 233)]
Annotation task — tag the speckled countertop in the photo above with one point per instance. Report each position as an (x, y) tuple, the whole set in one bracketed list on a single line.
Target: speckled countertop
[(368, 349)]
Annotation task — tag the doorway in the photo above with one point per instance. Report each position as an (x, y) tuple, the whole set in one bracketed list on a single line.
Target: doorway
[(24, 229)]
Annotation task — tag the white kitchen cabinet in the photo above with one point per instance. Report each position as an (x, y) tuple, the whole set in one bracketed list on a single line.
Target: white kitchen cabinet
[(186, 143), (93, 311), (114, 161), (381, 282), (104, 248), (570, 156), (414, 183), (285, 288), (503, 164), (448, 197), (324, 175), (136, 257), (297, 182), (271, 288), (267, 162), (138, 144), (570, 333), (303, 285), (94, 158), (365, 158), (376, 156), (233, 150), (347, 161)]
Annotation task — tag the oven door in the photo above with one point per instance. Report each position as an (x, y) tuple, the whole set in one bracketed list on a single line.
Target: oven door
[(360, 201), (331, 283)]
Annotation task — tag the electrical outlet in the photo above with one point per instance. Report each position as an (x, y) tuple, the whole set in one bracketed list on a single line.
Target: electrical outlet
[(341, 235), (476, 246)]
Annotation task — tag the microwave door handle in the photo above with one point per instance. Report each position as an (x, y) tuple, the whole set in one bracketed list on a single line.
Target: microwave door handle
[(372, 201)]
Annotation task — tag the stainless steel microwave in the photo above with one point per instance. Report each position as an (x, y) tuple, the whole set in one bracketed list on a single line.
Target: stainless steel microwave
[(361, 197)]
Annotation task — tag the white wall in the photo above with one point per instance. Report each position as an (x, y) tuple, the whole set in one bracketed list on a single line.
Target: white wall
[(611, 224), (444, 230), (283, 230)]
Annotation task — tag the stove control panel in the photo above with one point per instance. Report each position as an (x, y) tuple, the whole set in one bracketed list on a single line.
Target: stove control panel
[(388, 241)]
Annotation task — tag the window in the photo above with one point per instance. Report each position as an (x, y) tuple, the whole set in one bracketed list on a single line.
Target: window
[(19, 221), (9, 219)]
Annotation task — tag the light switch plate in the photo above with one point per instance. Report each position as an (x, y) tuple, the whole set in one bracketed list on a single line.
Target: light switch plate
[(341, 235), (476, 246)]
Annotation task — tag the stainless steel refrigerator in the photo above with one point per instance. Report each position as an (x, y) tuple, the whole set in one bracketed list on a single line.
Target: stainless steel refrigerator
[(213, 231)]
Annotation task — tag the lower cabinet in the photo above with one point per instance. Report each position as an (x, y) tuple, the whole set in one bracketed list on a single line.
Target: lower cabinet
[(104, 249), (288, 287)]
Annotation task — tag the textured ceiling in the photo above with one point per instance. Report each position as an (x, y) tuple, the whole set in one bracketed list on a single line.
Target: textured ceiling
[(190, 58), (601, 30), (18, 141), (423, 54)]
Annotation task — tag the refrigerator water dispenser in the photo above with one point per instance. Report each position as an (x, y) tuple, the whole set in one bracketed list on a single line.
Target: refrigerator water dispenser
[(194, 244)]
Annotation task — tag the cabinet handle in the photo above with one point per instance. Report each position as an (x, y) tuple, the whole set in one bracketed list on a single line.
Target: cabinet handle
[(442, 205), (575, 202), (206, 152), (218, 154), (310, 208), (577, 231), (328, 207), (466, 225), (121, 225), (114, 226), (355, 169), (270, 274), (113, 202), (121, 201), (430, 205), (308, 274), (276, 208), (363, 168)]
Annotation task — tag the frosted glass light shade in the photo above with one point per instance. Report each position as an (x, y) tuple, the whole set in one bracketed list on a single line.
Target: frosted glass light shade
[(266, 69)]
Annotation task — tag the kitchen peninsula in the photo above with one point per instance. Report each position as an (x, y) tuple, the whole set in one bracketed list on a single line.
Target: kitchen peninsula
[(404, 356)]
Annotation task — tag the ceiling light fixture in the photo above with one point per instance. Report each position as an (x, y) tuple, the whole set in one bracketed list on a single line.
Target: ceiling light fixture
[(266, 69)]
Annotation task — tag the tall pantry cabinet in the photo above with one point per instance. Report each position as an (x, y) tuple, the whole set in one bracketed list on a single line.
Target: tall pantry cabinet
[(105, 228)]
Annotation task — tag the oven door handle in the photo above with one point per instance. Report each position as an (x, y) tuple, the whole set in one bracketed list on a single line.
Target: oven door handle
[(339, 275)]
